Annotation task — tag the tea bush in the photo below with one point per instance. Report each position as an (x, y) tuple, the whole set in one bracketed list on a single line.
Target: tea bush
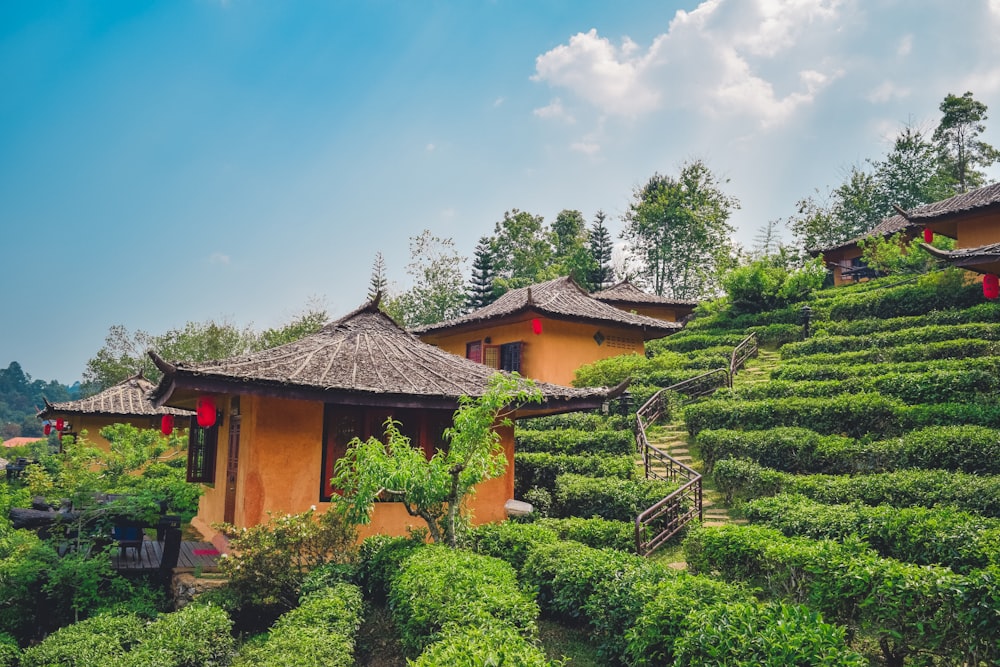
[(195, 636), (510, 541), (438, 587), (941, 535), (594, 532), (958, 348), (540, 469), (580, 421), (921, 334), (804, 369), (606, 497), (10, 652), (318, 633), (94, 642), (572, 441), (379, 559), (940, 291), (477, 645), (981, 312)]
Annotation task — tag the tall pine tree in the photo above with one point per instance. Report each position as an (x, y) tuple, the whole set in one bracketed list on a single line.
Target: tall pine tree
[(378, 283), (600, 245), (480, 292)]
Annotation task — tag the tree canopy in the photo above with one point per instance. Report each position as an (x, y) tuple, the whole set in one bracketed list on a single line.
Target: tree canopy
[(438, 292), (957, 138)]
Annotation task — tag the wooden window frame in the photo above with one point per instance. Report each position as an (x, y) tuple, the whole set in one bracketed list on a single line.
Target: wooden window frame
[(203, 449)]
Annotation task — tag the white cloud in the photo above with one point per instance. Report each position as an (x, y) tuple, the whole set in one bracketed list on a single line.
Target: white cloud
[(430, 148), (888, 91), (499, 101), (712, 59), (905, 46), (554, 110), (218, 258), (586, 147)]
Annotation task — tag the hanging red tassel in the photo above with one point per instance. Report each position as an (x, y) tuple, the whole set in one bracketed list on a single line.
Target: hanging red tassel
[(991, 286), (536, 326), (928, 235), (167, 424), (206, 411)]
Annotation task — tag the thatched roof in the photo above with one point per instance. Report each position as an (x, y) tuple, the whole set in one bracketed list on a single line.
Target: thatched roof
[(963, 203), (626, 292), (983, 258), (128, 398), (362, 359), (560, 299)]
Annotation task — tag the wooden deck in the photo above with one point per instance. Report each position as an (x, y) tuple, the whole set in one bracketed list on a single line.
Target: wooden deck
[(193, 555)]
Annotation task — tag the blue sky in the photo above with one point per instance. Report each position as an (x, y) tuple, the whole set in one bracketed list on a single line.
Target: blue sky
[(186, 160)]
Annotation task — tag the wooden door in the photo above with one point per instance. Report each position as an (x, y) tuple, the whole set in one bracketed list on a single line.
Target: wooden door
[(232, 467)]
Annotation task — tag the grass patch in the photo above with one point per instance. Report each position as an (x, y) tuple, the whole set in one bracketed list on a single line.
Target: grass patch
[(559, 641)]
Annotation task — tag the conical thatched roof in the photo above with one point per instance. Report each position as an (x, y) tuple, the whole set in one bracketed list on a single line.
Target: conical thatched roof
[(560, 299), (362, 359), (626, 292), (128, 398)]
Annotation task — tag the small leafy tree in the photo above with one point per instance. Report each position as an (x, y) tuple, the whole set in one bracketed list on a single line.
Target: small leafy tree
[(894, 255), (433, 489), (771, 282)]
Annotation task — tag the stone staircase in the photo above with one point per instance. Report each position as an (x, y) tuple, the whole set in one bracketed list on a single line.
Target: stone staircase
[(758, 369)]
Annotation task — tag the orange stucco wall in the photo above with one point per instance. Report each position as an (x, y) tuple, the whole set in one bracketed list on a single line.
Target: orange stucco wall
[(979, 229), (280, 470), (553, 355), (840, 259)]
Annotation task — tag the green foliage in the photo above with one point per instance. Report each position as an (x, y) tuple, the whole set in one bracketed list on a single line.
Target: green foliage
[(678, 231), (95, 642), (195, 636), (540, 469), (318, 633), (898, 255), (493, 643), (582, 421), (438, 292), (594, 532), (957, 140), (573, 442), (433, 489), (941, 290), (855, 415), (20, 397), (379, 559), (897, 338), (805, 368), (268, 562), (749, 634), (522, 250), (438, 587), (769, 283), (927, 536), (606, 497), (10, 652), (510, 541), (745, 479)]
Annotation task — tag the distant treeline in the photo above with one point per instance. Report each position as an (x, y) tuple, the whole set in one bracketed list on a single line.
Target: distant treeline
[(21, 398)]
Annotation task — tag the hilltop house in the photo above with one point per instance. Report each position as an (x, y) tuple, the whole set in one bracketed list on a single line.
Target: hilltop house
[(545, 331), (844, 260), (626, 296), (973, 220), (126, 402), (281, 417)]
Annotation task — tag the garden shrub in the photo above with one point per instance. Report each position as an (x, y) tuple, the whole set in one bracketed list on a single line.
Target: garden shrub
[(938, 291), (665, 604), (981, 312), (438, 586), (195, 636), (747, 634), (804, 369), (926, 536), (98, 641), (580, 421), (477, 645), (777, 334), (594, 532), (540, 469), (985, 413), (958, 348), (510, 541), (318, 633), (696, 341), (921, 334), (572, 441), (606, 497), (785, 448), (379, 559), (744, 479), (25, 561), (328, 575), (10, 652), (853, 415), (566, 574)]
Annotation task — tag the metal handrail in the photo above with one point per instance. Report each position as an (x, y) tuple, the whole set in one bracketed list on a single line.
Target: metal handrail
[(675, 511)]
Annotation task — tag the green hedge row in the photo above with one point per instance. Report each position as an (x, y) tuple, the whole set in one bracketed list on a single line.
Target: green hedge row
[(575, 441), (540, 469), (680, 342), (957, 348), (606, 497), (942, 535), (924, 387), (805, 369), (196, 635), (908, 609), (438, 587), (745, 480), (854, 415), (851, 414), (940, 291), (580, 421), (983, 312), (594, 532), (970, 449), (489, 643), (318, 633), (921, 335)]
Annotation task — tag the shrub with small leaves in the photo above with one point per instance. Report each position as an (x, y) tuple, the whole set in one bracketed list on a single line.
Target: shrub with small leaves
[(94, 642), (491, 643), (195, 636)]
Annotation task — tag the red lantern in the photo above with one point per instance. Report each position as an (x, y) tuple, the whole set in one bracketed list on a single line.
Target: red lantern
[(928, 235), (536, 326), (47, 429), (167, 424), (206, 411), (991, 286), (59, 425)]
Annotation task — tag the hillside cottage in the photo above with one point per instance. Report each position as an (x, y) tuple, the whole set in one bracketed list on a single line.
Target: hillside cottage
[(278, 419), (545, 331)]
